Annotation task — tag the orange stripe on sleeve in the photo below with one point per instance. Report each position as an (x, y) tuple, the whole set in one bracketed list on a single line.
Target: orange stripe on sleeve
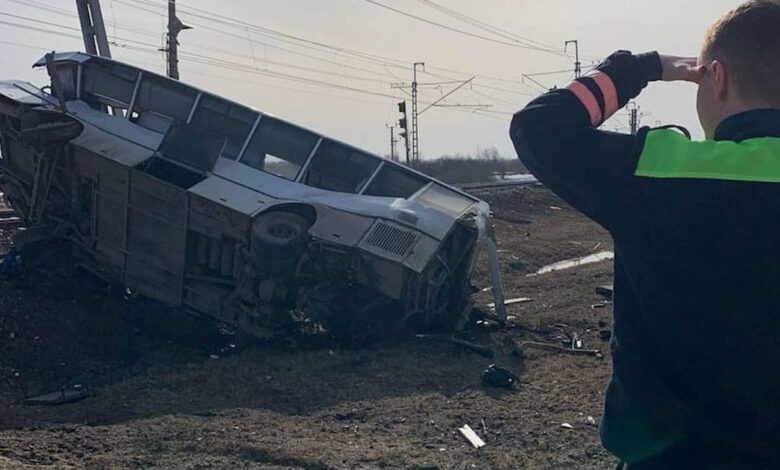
[(588, 100), (609, 91)]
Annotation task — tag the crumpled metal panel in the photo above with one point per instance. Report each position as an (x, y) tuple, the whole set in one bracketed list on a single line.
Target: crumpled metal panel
[(78, 57), (116, 128), (429, 220), (24, 93), (229, 194)]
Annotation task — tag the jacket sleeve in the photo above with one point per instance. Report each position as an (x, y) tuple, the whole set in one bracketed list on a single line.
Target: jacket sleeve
[(556, 135)]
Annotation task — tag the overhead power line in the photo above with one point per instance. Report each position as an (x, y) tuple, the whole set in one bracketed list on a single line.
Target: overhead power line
[(317, 46), (151, 48), (485, 26), (513, 43)]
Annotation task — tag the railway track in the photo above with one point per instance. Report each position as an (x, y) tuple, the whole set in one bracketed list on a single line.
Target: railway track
[(496, 185)]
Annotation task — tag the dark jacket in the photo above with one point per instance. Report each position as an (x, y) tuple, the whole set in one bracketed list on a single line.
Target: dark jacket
[(696, 226)]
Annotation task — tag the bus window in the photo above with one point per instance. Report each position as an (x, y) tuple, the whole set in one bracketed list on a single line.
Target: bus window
[(444, 200), (225, 119), (279, 148), (393, 181), (160, 103), (337, 167)]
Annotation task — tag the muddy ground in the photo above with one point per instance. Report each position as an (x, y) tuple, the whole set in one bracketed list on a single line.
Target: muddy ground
[(175, 402)]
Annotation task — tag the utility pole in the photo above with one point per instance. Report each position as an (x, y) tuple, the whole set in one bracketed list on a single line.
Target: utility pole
[(414, 148), (93, 29), (392, 144), (175, 26), (415, 133), (403, 124), (577, 63), (633, 118)]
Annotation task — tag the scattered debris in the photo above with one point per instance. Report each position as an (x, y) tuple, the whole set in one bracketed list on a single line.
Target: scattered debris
[(601, 304), (495, 376), (606, 291), (518, 300), (471, 436), (573, 263), (555, 348), (477, 348), (480, 349), (60, 397), (591, 420), (556, 208), (567, 426), (576, 342)]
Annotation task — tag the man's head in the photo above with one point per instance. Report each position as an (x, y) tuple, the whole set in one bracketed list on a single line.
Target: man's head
[(742, 54)]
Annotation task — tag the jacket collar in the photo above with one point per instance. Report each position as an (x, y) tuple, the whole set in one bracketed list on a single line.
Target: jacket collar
[(749, 125)]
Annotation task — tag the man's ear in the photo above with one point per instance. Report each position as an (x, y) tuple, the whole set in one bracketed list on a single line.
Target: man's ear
[(720, 79)]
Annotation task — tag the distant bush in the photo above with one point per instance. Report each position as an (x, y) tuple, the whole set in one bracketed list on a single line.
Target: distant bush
[(475, 168)]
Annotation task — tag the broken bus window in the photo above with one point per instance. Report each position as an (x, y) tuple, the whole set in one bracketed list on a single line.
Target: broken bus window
[(338, 167), (279, 148), (159, 104), (227, 120), (392, 181)]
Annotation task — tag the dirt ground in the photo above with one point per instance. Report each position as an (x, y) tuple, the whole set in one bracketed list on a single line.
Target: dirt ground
[(176, 402)]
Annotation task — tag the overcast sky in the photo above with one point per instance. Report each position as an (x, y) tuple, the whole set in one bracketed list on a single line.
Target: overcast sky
[(315, 83)]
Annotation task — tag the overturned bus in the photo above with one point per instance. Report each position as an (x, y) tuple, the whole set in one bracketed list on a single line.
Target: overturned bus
[(210, 206)]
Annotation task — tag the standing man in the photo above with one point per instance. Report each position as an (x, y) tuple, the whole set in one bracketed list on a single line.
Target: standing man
[(696, 226)]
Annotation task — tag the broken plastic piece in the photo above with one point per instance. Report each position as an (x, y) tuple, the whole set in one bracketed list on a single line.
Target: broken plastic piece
[(471, 436), (573, 263), (518, 300)]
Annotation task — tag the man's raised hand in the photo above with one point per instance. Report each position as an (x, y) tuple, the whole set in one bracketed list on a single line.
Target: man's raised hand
[(681, 69)]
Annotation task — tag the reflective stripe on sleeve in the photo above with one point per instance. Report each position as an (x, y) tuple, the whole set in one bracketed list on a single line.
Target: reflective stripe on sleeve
[(609, 91), (588, 100)]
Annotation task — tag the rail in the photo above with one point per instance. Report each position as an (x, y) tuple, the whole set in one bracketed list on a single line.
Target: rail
[(496, 184)]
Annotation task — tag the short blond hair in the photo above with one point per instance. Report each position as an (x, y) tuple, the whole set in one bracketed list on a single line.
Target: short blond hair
[(747, 40)]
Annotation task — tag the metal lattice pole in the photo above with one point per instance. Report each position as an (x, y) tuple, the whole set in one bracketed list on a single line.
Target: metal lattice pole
[(415, 133)]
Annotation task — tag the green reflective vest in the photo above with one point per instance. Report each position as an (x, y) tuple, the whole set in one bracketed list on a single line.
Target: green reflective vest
[(669, 154)]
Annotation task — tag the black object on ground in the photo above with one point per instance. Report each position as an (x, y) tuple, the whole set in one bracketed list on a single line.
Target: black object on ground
[(495, 376), (58, 398), (606, 291)]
